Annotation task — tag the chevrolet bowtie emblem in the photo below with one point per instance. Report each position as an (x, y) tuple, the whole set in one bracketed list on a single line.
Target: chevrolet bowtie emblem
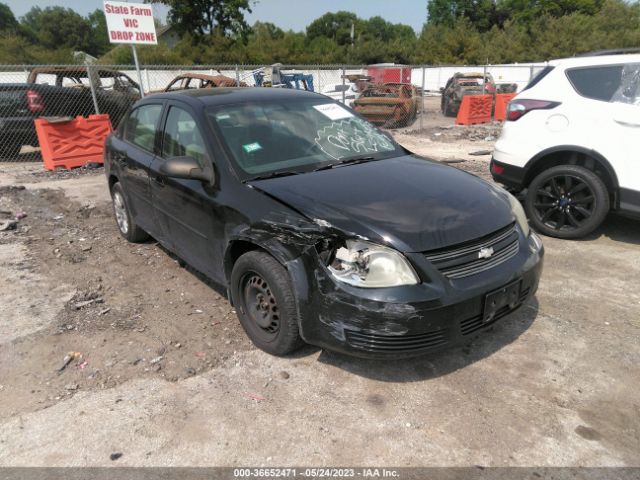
[(485, 252)]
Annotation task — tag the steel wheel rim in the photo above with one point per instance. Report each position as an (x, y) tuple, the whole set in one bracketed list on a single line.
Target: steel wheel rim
[(564, 202), (260, 305), (121, 212)]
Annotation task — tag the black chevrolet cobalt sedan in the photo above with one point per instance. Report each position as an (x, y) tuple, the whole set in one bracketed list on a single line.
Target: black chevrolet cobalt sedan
[(321, 228)]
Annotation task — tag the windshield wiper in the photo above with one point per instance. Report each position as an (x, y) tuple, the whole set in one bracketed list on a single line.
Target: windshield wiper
[(284, 173), (348, 161)]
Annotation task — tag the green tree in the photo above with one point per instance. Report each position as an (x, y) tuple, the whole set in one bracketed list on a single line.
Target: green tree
[(528, 11), (57, 27), (335, 26), (481, 14), (209, 17), (99, 40), (8, 22)]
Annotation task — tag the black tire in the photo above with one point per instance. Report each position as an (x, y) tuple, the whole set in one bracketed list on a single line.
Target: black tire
[(124, 220), (448, 111), (567, 201), (263, 296)]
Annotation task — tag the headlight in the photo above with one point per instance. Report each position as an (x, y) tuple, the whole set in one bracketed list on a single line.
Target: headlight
[(521, 217), (535, 244), (367, 265)]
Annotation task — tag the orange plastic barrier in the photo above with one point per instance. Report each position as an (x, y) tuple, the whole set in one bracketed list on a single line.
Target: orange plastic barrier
[(475, 109), (73, 143), (500, 111)]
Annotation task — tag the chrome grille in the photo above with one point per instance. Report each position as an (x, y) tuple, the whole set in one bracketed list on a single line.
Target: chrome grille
[(396, 343), (464, 260)]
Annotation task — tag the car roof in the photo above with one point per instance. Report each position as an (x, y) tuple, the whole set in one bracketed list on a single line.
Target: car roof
[(472, 74), (230, 95), (72, 69), (595, 60)]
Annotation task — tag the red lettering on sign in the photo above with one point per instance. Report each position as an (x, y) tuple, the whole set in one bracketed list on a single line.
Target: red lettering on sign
[(120, 35), (145, 36), (116, 9), (145, 12), (131, 22)]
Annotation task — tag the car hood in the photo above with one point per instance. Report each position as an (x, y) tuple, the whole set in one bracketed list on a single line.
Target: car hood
[(407, 202)]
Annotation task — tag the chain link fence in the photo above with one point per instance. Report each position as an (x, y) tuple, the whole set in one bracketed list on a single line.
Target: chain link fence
[(387, 95)]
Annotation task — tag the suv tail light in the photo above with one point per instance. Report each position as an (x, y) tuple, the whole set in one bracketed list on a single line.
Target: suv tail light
[(518, 108), (34, 101)]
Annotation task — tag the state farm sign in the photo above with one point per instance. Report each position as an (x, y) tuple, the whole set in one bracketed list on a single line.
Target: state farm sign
[(130, 23)]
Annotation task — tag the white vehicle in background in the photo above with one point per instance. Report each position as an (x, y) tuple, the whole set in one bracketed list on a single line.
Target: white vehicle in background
[(571, 143), (336, 91)]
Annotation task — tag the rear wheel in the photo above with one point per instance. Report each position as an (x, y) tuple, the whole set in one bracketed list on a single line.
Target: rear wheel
[(567, 201), (126, 226), (263, 296), (449, 110)]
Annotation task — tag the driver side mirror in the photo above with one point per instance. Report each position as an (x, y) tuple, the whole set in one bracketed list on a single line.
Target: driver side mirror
[(187, 168), (441, 89)]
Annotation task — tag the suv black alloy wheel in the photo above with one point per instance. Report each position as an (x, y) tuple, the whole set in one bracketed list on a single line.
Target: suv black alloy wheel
[(567, 201)]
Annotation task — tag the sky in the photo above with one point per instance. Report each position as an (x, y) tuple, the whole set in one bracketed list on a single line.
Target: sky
[(287, 14)]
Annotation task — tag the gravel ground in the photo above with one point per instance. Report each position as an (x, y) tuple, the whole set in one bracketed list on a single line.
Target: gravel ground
[(157, 368)]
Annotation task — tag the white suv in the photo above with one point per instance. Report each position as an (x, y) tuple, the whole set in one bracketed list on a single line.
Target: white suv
[(571, 143)]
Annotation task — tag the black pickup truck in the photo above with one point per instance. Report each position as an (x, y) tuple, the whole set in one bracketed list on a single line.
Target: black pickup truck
[(60, 92)]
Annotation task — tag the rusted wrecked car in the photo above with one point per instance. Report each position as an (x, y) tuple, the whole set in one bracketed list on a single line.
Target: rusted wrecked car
[(461, 84), (60, 92), (389, 105), (199, 80)]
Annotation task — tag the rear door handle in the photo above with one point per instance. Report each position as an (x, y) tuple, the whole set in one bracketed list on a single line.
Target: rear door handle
[(627, 123), (120, 158)]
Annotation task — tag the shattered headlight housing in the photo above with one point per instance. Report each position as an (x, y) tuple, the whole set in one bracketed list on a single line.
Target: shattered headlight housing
[(521, 217), (368, 265)]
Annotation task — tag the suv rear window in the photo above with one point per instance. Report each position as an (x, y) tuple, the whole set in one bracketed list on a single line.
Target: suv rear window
[(597, 83)]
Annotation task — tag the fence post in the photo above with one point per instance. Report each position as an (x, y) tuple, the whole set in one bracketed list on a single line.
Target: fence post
[(484, 79), (530, 72), (237, 75), (422, 107), (93, 88), (146, 74), (343, 83), (135, 59)]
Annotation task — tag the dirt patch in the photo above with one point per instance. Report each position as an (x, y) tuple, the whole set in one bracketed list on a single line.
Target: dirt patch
[(166, 323)]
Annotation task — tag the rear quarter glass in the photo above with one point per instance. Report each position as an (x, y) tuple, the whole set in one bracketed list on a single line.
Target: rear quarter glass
[(537, 78), (596, 83)]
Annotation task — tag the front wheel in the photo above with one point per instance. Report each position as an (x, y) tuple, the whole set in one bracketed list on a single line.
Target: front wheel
[(263, 297), (567, 201)]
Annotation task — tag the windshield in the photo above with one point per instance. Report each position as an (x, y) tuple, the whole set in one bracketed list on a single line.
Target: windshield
[(296, 136)]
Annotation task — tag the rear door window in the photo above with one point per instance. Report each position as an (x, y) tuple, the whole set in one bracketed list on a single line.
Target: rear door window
[(597, 83), (142, 126), (629, 91)]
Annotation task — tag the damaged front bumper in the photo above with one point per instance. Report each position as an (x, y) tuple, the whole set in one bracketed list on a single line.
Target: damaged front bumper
[(409, 320)]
